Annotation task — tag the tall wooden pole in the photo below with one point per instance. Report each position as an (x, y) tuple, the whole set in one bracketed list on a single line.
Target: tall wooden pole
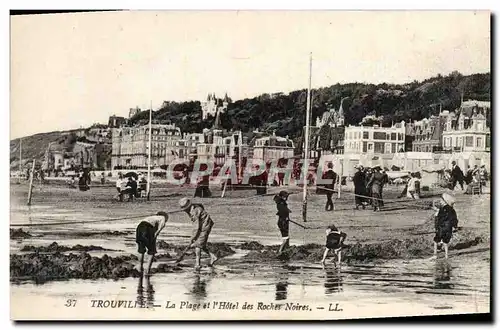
[(149, 151), (306, 147), (30, 191)]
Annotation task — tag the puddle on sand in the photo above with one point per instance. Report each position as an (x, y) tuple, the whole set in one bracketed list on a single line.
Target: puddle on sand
[(441, 285)]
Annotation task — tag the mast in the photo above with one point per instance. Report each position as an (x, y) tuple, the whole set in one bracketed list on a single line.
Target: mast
[(148, 188), (306, 147)]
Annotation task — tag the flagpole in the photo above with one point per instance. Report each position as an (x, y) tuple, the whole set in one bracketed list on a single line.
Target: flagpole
[(306, 147), (149, 151)]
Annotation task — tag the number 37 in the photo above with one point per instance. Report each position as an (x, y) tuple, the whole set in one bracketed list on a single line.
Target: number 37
[(70, 303)]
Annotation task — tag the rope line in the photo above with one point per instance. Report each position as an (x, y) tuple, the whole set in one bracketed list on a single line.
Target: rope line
[(87, 221)]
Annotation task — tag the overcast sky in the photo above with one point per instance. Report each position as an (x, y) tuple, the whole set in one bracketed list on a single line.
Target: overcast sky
[(72, 70)]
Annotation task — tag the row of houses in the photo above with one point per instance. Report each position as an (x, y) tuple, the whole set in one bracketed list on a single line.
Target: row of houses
[(465, 130), (168, 144)]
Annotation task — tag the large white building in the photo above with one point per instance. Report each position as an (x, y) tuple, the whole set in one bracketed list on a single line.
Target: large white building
[(130, 145), (466, 133), (212, 105), (374, 139), (219, 147), (273, 148)]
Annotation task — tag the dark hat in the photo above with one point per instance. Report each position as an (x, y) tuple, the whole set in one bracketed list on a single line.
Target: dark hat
[(283, 194), (330, 165), (453, 163)]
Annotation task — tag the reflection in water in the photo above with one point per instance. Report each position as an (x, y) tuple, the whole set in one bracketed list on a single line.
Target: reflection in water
[(145, 298), (333, 280), (282, 285), (442, 275), (199, 289)]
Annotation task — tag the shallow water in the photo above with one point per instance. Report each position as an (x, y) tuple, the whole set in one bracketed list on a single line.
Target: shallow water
[(443, 286)]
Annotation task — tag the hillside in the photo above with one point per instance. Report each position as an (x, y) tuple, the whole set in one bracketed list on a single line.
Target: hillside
[(285, 113), (34, 147)]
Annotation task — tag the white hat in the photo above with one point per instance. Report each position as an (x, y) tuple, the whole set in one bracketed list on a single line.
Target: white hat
[(449, 199), (184, 203)]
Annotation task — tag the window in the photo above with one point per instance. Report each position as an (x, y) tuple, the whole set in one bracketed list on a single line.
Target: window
[(379, 136), (379, 147), (365, 146), (393, 136), (365, 135), (400, 136), (479, 142), (393, 147), (370, 146), (469, 142)]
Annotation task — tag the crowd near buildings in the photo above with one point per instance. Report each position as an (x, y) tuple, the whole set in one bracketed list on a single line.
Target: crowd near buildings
[(463, 132)]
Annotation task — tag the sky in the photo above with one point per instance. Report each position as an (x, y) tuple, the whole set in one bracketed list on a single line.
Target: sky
[(73, 70)]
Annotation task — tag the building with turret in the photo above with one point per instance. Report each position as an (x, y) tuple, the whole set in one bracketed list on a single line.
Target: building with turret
[(333, 118), (212, 105), (133, 111)]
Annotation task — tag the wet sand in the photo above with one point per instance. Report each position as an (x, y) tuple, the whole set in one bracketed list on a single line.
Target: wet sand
[(378, 277)]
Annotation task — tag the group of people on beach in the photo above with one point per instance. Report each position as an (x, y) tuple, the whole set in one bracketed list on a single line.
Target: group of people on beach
[(368, 187), (133, 187), (368, 184)]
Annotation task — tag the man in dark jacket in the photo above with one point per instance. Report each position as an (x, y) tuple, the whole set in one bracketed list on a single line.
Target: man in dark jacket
[(331, 176), (283, 218), (456, 176), (359, 181)]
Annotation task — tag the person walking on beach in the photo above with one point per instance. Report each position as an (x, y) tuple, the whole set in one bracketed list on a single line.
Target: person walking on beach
[(359, 181), (146, 233), (283, 218), (375, 185), (119, 183), (202, 226), (330, 176), (456, 176), (334, 240), (445, 222)]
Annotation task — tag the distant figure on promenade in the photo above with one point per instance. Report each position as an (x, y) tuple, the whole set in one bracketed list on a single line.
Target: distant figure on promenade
[(103, 178), (82, 183), (130, 189), (368, 190), (413, 188), (331, 176), (203, 187), (202, 226), (483, 175), (445, 222), (456, 176), (376, 185), (334, 240), (283, 218), (359, 182), (119, 185), (146, 234)]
